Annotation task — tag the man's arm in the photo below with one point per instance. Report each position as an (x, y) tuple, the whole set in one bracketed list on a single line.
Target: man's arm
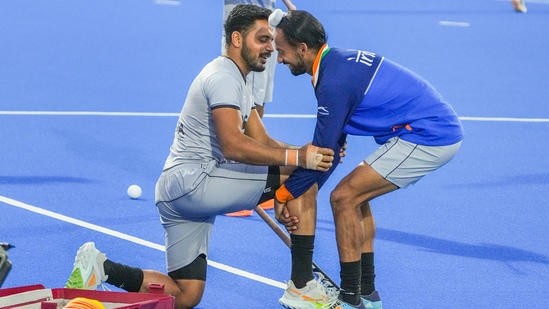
[(240, 147), (340, 100), (246, 149), (289, 5), (256, 130)]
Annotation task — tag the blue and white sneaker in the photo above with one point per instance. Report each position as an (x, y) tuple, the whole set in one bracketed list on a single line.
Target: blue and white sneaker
[(339, 304), (372, 301)]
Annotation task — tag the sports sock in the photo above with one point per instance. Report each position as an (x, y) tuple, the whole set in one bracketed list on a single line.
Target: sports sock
[(350, 282), (302, 259), (123, 276), (367, 280)]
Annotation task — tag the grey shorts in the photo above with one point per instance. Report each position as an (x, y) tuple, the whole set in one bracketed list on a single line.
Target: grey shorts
[(404, 163), (190, 196)]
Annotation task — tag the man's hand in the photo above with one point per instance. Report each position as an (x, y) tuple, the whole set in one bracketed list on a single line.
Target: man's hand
[(342, 152), (315, 158), (282, 215)]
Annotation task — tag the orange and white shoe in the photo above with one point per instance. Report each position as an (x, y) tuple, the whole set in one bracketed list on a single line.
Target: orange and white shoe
[(311, 296), (88, 272), (519, 6)]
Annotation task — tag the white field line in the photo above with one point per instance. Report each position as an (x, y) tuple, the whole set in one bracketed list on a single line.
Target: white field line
[(287, 116), (504, 119), (167, 2), (454, 23), (133, 239)]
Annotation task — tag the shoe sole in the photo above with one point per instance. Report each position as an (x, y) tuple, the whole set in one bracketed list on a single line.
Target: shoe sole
[(75, 280)]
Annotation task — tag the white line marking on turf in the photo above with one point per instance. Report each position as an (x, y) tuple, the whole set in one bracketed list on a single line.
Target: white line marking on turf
[(286, 116), (503, 119), (88, 113), (133, 239), (453, 23), (290, 116), (167, 2)]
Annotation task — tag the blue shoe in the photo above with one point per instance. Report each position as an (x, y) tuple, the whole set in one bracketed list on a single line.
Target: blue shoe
[(372, 301), (339, 304)]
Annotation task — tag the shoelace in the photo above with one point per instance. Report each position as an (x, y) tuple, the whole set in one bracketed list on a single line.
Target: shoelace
[(331, 291), (104, 287)]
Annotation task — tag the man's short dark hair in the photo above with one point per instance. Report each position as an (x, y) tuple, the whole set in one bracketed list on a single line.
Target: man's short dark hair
[(302, 27), (242, 18)]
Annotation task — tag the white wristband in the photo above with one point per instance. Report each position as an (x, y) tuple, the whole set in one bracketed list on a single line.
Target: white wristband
[(290, 160)]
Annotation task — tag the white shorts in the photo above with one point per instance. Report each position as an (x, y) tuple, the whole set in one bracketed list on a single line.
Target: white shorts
[(404, 163), (263, 82), (190, 196)]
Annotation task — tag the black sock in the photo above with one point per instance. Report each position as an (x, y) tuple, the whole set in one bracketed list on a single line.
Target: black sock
[(350, 282), (367, 280), (123, 276), (302, 259)]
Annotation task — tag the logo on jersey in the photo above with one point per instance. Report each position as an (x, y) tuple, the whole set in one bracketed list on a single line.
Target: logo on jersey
[(364, 57), (323, 111)]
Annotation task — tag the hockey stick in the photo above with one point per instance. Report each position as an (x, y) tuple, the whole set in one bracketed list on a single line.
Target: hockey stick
[(286, 239)]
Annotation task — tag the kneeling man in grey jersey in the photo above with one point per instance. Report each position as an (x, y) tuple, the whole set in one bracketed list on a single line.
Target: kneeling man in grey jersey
[(222, 160)]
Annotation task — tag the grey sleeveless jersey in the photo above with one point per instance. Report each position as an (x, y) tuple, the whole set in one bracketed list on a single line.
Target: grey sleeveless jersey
[(219, 84)]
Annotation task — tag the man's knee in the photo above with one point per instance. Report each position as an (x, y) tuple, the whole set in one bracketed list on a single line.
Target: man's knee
[(196, 270), (342, 198), (337, 198), (191, 280)]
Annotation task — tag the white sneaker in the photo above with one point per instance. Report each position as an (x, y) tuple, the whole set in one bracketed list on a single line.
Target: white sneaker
[(88, 271), (311, 296)]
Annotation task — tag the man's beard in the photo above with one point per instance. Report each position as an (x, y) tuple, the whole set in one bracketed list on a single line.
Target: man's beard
[(253, 63), (299, 68)]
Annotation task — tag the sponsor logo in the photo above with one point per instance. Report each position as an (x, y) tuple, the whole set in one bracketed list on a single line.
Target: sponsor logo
[(323, 111)]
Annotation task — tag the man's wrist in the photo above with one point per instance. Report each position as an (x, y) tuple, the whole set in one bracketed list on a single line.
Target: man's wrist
[(283, 195)]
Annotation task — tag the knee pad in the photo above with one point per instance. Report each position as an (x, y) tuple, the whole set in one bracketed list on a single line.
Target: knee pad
[(196, 270)]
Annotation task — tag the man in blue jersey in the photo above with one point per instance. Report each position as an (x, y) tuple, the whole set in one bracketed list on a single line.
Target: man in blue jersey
[(362, 93)]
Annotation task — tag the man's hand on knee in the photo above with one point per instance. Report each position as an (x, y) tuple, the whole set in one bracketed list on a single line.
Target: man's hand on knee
[(282, 215)]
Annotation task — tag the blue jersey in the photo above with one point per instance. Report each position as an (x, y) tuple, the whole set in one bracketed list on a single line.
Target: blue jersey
[(362, 93)]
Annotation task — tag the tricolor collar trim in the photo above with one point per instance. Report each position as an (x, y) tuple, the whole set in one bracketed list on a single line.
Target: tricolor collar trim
[(316, 65)]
